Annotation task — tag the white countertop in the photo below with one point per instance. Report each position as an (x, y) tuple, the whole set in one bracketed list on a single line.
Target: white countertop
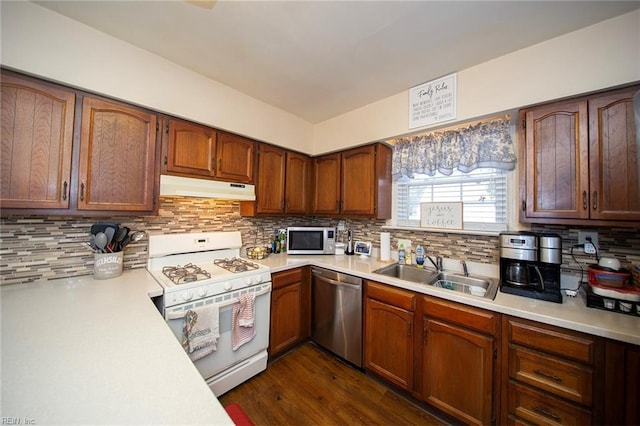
[(572, 313), (84, 351)]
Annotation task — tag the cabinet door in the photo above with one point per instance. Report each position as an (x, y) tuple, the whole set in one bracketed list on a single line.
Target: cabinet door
[(235, 158), (326, 180), (191, 149), (270, 185), (358, 181), (458, 371), (288, 323), (388, 343), (36, 140), (117, 157), (614, 157), (556, 161), (297, 183)]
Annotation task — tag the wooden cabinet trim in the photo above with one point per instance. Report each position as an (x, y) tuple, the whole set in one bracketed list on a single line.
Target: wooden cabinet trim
[(466, 316), (283, 278), (388, 294)]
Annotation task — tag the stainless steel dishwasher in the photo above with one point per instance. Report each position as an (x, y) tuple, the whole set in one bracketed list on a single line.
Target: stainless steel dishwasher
[(337, 313)]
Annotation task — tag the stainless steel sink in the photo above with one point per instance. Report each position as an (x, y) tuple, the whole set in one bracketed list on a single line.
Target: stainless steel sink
[(408, 273), (474, 285)]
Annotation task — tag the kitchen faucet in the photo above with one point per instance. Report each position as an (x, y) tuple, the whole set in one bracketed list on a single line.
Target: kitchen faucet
[(437, 263)]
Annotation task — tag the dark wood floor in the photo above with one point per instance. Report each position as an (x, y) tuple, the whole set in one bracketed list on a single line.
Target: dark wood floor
[(308, 386)]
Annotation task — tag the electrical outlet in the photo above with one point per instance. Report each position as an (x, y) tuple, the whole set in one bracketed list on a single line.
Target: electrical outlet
[(582, 239)]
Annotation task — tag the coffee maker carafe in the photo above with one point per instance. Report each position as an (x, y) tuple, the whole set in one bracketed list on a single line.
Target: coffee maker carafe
[(530, 265)]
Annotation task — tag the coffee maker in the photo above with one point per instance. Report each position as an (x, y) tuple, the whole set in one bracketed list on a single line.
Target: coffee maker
[(530, 265)]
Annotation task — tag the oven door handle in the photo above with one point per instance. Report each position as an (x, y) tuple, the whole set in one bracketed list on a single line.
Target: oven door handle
[(183, 313)]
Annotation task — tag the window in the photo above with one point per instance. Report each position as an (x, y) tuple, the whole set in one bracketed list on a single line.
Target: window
[(483, 192)]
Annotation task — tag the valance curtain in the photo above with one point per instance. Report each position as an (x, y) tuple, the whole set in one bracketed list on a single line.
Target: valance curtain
[(484, 144)]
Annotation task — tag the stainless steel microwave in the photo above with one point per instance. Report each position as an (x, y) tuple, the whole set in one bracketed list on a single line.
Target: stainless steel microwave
[(311, 240)]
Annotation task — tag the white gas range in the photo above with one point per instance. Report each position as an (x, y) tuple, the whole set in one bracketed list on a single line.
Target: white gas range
[(199, 269)]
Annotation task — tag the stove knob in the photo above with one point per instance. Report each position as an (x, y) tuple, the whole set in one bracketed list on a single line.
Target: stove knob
[(202, 292), (227, 286), (257, 279), (248, 281), (187, 295)]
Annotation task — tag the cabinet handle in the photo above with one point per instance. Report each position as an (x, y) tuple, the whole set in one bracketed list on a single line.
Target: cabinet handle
[(584, 200), (64, 191), (547, 375), (213, 165), (547, 413), (409, 329), (166, 160), (524, 206), (82, 191), (595, 200)]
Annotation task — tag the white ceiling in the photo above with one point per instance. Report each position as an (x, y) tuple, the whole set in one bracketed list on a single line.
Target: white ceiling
[(319, 59)]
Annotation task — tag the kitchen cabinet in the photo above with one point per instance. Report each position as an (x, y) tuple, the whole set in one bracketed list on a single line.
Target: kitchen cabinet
[(459, 360), (37, 138), (579, 161), (198, 151), (290, 309), (355, 182), (550, 374), (621, 383), (282, 183), (389, 333), (117, 169)]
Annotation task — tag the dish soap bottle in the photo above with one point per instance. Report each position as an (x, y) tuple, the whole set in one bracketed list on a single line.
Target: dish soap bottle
[(420, 256), (401, 254), (349, 251)]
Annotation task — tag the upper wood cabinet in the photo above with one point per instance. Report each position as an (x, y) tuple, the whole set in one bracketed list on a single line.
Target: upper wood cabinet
[(66, 152), (282, 185), (36, 139), (202, 152), (190, 149), (117, 157), (355, 182), (579, 161)]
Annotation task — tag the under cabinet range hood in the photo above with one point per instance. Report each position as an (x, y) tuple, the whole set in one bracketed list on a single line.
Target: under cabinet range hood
[(190, 187)]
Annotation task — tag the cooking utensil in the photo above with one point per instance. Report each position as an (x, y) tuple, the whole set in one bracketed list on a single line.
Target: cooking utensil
[(90, 246), (101, 241), (119, 237), (101, 227), (132, 238)]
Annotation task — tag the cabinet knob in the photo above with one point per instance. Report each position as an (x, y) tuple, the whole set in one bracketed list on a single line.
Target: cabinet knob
[(82, 191), (595, 200), (584, 200), (64, 191)]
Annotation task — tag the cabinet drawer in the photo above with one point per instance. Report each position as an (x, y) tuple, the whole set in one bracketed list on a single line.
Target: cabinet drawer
[(466, 316), (394, 296), (537, 408), (562, 378), (281, 279), (564, 343)]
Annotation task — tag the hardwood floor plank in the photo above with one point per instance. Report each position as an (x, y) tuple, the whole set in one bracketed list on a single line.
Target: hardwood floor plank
[(310, 386)]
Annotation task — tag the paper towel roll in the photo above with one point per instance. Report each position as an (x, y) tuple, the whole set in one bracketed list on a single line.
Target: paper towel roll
[(385, 246)]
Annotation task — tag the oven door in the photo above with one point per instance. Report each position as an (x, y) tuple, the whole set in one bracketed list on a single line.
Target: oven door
[(224, 357)]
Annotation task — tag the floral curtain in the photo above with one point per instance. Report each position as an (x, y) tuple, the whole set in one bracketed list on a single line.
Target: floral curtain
[(484, 144)]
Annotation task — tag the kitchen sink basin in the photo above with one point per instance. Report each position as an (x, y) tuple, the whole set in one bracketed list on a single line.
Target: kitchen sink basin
[(408, 273), (474, 285)]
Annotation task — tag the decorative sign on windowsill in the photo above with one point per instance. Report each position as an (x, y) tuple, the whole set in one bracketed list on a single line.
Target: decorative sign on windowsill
[(433, 102), (441, 215)]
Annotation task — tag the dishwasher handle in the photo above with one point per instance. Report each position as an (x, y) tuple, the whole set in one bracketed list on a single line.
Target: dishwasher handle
[(318, 274)]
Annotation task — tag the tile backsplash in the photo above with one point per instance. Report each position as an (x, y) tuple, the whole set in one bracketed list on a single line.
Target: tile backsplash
[(49, 247)]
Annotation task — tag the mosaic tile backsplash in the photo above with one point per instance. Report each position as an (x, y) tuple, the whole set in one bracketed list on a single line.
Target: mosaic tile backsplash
[(36, 248)]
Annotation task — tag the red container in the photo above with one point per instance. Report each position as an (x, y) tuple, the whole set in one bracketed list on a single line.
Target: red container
[(604, 277)]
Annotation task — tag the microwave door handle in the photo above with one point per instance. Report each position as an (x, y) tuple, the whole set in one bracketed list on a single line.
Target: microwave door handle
[(539, 276)]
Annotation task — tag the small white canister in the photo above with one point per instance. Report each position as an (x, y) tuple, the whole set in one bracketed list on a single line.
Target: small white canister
[(107, 265)]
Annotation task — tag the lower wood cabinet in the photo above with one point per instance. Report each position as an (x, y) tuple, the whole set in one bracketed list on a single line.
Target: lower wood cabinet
[(388, 333), (459, 357), (551, 375), (290, 309), (622, 372)]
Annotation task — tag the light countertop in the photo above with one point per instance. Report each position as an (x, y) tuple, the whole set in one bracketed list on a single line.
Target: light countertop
[(85, 351), (572, 313)]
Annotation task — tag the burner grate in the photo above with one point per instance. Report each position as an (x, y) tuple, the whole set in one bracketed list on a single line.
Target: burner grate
[(185, 274), (235, 264)]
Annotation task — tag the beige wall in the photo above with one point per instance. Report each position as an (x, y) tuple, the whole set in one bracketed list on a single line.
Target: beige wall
[(40, 42), (603, 55)]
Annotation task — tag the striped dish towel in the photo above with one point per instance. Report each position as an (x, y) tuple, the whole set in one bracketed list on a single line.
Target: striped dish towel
[(242, 320)]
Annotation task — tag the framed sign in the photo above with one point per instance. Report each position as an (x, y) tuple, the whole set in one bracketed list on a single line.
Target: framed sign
[(441, 215), (433, 102)]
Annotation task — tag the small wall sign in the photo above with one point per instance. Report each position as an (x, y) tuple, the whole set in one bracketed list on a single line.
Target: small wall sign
[(433, 102), (441, 215)]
